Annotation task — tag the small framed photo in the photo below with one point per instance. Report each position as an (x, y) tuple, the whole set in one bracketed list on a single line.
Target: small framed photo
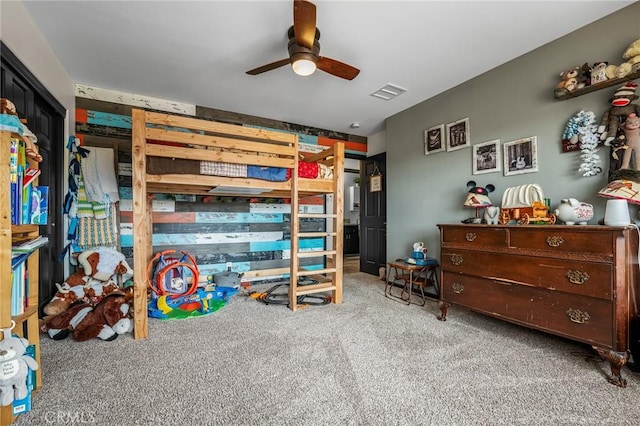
[(520, 156), (434, 139), (486, 157), (376, 183), (458, 134)]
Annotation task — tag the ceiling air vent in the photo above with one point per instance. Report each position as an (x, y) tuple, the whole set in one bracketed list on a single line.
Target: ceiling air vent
[(388, 92)]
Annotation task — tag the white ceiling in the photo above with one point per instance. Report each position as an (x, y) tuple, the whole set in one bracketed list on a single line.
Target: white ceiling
[(198, 51)]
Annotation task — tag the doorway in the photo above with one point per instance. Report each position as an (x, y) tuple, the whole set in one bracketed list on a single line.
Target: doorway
[(373, 214), (45, 118)]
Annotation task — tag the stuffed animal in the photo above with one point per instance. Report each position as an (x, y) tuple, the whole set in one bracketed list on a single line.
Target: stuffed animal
[(92, 281), (632, 55), (631, 129), (632, 63), (621, 108), (30, 140), (92, 292), (569, 80), (14, 367), (108, 319), (102, 263), (633, 50)]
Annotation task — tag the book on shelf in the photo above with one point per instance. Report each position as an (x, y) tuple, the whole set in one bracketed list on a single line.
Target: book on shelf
[(39, 210), (27, 245), (18, 259), (29, 203), (19, 281), (30, 175)]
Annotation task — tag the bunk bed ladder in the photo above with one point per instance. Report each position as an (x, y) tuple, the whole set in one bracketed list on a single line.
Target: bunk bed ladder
[(330, 277)]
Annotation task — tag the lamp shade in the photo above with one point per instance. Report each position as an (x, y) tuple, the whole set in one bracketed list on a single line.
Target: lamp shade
[(623, 184), (475, 199), (622, 189)]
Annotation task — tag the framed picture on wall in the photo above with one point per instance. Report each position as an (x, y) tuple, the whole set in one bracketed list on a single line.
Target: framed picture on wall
[(434, 139), (458, 134), (486, 157), (520, 156), (375, 183)]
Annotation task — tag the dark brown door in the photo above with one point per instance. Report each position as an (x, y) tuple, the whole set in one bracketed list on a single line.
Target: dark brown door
[(47, 126), (45, 118), (373, 216)]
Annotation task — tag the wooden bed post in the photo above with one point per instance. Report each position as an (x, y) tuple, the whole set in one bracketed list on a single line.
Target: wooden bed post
[(141, 223), (338, 209), (295, 230)]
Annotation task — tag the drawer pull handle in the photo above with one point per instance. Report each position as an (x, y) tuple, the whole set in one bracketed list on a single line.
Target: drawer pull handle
[(577, 277), (555, 241), (471, 236), (456, 259), (457, 287), (577, 316)]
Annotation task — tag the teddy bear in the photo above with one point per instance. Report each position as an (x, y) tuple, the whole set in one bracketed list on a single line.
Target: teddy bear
[(632, 55), (106, 321), (569, 81), (14, 368), (632, 63)]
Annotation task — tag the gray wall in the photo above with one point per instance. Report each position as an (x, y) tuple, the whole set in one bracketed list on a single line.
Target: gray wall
[(24, 39), (510, 102)]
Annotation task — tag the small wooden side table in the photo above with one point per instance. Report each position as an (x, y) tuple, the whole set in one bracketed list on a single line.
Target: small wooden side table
[(409, 276)]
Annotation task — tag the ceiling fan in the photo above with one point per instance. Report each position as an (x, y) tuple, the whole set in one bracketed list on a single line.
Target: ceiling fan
[(304, 48)]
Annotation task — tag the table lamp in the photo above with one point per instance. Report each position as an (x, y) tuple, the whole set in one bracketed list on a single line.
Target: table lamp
[(623, 188), (477, 197)]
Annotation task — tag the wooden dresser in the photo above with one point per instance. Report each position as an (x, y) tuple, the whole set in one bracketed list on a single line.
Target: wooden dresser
[(577, 282)]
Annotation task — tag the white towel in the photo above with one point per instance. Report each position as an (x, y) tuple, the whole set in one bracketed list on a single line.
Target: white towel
[(99, 176)]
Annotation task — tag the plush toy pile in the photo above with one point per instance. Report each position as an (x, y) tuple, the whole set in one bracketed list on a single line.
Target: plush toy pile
[(90, 304)]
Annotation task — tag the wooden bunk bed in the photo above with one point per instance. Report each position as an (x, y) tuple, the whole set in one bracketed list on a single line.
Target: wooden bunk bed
[(160, 135)]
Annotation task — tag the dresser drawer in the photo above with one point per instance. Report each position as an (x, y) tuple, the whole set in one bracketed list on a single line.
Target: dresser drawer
[(551, 239), (582, 318), (475, 236), (570, 276)]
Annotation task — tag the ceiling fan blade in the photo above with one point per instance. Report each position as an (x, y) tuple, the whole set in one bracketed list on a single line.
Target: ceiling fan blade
[(269, 67), (304, 23), (337, 68)]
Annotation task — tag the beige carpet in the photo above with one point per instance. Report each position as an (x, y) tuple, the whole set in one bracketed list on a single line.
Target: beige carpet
[(369, 361)]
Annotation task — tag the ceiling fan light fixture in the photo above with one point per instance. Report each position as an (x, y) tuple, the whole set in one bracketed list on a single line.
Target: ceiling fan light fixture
[(303, 65)]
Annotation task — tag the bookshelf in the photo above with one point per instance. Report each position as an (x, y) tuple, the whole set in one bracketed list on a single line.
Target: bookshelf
[(26, 324)]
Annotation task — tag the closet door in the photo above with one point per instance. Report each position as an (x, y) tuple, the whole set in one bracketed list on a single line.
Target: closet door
[(45, 118), (47, 127), (15, 89)]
